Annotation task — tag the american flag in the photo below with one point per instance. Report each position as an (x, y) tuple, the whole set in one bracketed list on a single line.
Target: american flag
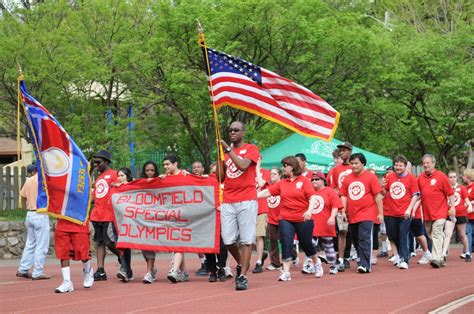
[(246, 86)]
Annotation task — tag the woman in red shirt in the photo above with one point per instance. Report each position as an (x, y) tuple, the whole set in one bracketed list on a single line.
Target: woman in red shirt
[(297, 203), (468, 177)]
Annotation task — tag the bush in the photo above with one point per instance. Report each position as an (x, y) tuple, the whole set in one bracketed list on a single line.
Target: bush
[(12, 214)]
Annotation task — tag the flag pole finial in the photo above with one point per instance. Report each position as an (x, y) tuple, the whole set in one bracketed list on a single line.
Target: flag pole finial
[(200, 30), (19, 71)]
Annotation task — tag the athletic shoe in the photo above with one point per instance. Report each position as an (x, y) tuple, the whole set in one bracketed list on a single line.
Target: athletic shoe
[(362, 270), (392, 258), (183, 276), (323, 259), (241, 283), (333, 270), (221, 274), (172, 276), (347, 265), (41, 277), (319, 271), (100, 275), (23, 274), (212, 277), (374, 260), (228, 272), (122, 275), (273, 267), (442, 262), (66, 286), (412, 254), (463, 255), (238, 271), (396, 260), (148, 278), (403, 265), (340, 266), (258, 269), (382, 254), (88, 278), (154, 272), (468, 258), (435, 264), (308, 269), (353, 253), (202, 271), (284, 276), (425, 259), (296, 261)]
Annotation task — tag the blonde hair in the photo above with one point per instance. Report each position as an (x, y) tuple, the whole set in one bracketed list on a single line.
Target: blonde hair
[(469, 173)]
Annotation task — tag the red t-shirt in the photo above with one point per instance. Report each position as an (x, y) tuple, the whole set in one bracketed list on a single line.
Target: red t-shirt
[(338, 175), (329, 177), (262, 202), (326, 200), (294, 197), (67, 226), (360, 191), (308, 174), (273, 203), (434, 190), (460, 195), (400, 190), (102, 210), (470, 193), (240, 185)]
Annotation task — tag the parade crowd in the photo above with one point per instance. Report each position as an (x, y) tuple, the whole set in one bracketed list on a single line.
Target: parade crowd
[(347, 215)]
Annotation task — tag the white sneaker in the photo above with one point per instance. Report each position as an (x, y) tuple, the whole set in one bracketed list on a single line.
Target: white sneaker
[(284, 276), (148, 278), (272, 267), (412, 254), (374, 260), (463, 255), (425, 259), (308, 269), (66, 286), (319, 271), (333, 270), (228, 272), (154, 272), (392, 258), (396, 260), (296, 261), (88, 278), (403, 265)]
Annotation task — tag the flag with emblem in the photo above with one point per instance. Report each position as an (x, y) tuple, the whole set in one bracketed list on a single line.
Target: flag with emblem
[(246, 86), (64, 184)]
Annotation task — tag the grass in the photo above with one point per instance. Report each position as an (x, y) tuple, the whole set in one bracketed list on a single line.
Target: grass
[(12, 215)]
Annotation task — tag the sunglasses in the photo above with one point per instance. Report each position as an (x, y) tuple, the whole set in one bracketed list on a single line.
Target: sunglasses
[(285, 165), (234, 130), (98, 162), (315, 179)]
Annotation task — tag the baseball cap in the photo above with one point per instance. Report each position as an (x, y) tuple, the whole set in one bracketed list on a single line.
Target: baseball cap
[(319, 175), (31, 168), (104, 155), (346, 145)]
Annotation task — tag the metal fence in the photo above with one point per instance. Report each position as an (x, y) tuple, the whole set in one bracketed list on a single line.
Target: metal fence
[(11, 181)]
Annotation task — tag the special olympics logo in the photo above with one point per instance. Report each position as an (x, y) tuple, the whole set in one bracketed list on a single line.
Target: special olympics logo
[(101, 188), (356, 190), (457, 198), (273, 201), (232, 171), (299, 185), (433, 181), (342, 176), (56, 162), (318, 206), (397, 190)]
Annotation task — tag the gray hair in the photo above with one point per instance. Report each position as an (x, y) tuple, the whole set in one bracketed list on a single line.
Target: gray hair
[(432, 157)]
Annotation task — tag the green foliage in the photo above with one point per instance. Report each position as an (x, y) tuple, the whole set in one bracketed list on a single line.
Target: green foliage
[(406, 91)]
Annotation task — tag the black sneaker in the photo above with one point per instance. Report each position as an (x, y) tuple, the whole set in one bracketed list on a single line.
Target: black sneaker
[(346, 264), (221, 274), (212, 277), (203, 270), (340, 266), (100, 275), (258, 269), (468, 258), (241, 283), (435, 264)]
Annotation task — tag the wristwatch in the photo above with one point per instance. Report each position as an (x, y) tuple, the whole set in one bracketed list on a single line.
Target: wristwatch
[(228, 149)]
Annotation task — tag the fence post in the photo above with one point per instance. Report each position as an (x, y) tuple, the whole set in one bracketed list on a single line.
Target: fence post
[(2, 189), (16, 190), (23, 180), (8, 187)]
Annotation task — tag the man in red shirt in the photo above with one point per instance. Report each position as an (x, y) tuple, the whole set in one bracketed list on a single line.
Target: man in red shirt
[(239, 208), (468, 177), (435, 191), (302, 161), (337, 161), (339, 172), (102, 215), (362, 200)]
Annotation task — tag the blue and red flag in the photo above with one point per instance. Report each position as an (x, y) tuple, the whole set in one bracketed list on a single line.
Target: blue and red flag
[(64, 183)]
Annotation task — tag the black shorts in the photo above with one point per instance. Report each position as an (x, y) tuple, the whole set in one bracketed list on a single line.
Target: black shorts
[(461, 220), (104, 231), (416, 227)]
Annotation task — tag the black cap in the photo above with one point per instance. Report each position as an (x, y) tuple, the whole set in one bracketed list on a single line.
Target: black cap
[(104, 155), (31, 168), (390, 168), (345, 145)]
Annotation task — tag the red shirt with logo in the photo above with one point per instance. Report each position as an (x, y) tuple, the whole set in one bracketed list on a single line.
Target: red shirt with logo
[(338, 175), (460, 195), (68, 226), (240, 185), (102, 210), (294, 197), (470, 193), (434, 189), (273, 203), (262, 202), (400, 191), (308, 174), (329, 176), (360, 191), (326, 200)]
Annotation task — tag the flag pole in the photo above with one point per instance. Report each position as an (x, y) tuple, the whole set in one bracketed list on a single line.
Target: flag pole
[(18, 133), (220, 151)]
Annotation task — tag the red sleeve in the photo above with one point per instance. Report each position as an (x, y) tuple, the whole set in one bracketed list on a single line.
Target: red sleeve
[(463, 193), (414, 188), (343, 190), (448, 189), (333, 182), (329, 177), (252, 153), (375, 186), (308, 187), (266, 175), (386, 187), (335, 200), (274, 189)]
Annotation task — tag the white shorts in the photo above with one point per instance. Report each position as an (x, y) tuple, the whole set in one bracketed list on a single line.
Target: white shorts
[(239, 220)]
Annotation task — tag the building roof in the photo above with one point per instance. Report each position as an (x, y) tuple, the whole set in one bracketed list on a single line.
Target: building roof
[(8, 147)]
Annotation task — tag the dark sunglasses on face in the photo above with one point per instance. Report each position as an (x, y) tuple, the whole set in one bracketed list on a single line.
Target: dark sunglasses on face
[(315, 179), (98, 162), (234, 130)]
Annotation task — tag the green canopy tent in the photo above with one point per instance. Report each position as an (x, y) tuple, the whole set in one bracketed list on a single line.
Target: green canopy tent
[(318, 154)]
